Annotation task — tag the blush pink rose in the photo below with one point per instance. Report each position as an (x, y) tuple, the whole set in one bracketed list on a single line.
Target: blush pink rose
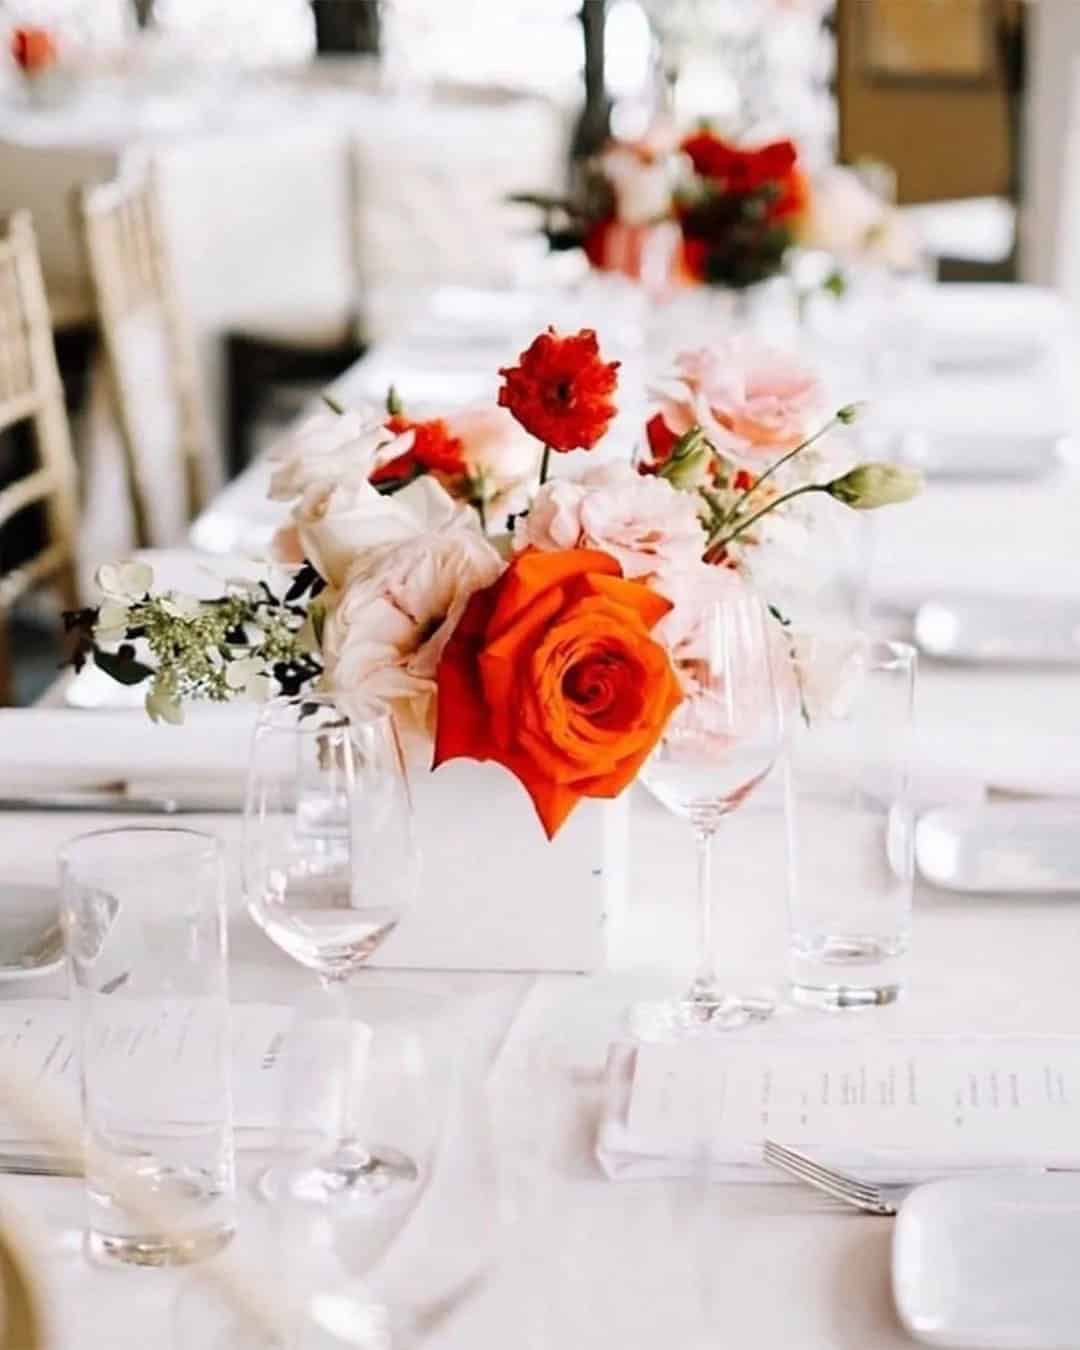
[(386, 631), (753, 402), (502, 459), (648, 526)]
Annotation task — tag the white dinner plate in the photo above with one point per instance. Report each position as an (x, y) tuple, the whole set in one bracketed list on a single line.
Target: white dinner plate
[(1007, 847), (989, 1262)]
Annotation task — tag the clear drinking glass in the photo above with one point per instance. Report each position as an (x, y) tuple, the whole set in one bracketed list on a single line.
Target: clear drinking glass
[(719, 744), (849, 818), (330, 866), (143, 913)]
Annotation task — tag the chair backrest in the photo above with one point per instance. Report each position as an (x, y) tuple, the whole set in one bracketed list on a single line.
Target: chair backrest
[(150, 354), (30, 391)]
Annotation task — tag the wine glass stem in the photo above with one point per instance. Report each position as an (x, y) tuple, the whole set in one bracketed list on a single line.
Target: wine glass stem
[(705, 979), (335, 986)]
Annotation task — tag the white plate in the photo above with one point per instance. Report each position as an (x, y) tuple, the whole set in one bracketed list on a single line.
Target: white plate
[(1009, 847), (989, 1262)]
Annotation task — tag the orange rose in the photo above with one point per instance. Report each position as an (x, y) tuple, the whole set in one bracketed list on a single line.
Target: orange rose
[(552, 673)]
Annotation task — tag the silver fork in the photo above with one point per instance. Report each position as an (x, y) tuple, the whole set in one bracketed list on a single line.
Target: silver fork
[(868, 1196)]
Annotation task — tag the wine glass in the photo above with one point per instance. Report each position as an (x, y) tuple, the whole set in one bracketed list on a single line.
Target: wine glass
[(330, 866), (719, 744)]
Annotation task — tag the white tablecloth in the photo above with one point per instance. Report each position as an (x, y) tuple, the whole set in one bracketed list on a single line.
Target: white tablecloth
[(590, 1262)]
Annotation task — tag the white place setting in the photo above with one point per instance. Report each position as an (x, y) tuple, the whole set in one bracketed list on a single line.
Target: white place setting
[(572, 838)]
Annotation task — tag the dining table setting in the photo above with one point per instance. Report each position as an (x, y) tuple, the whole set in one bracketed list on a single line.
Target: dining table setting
[(579, 842)]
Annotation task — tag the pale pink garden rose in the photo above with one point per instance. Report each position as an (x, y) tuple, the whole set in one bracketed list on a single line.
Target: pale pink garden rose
[(329, 446), (847, 219), (386, 630), (338, 523), (502, 459), (753, 402), (650, 528), (687, 633)]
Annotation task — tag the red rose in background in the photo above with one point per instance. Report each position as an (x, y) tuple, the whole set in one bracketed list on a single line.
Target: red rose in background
[(34, 49), (732, 169), (561, 390), (434, 450)]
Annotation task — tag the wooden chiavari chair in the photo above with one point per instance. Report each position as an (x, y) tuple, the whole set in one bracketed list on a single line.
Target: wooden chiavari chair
[(150, 355), (31, 392)]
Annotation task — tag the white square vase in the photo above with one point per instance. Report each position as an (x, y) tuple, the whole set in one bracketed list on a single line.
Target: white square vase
[(495, 893)]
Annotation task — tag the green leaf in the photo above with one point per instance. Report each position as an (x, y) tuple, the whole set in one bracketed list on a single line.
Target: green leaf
[(122, 668)]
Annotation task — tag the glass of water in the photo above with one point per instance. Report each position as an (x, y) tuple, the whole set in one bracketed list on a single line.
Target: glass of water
[(330, 866), (143, 914), (849, 819)]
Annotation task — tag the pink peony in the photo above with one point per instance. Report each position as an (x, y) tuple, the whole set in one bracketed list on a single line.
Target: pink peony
[(648, 526), (386, 631), (752, 401)]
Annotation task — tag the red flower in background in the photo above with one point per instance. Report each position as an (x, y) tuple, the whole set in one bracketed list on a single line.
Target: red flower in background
[(662, 441), (433, 450), (732, 169), (561, 390), (34, 49)]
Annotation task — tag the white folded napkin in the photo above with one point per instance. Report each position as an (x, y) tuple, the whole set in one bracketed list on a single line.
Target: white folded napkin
[(56, 749)]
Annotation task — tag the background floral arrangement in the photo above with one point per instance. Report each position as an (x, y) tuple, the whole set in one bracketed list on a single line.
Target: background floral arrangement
[(555, 637), (707, 210)]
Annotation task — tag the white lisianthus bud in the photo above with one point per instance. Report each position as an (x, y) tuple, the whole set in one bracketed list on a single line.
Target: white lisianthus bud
[(125, 581), (869, 486)]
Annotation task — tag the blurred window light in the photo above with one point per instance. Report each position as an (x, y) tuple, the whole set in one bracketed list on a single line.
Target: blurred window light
[(246, 32), (532, 45), (628, 49)]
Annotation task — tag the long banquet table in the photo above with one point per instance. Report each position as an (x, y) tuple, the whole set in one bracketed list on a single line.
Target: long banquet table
[(678, 1262)]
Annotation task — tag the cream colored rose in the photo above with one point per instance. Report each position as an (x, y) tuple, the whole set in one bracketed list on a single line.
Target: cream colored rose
[(386, 631), (346, 524), (331, 446)]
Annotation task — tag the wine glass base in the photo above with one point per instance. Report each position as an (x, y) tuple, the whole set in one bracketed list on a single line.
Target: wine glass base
[(700, 1013), (349, 1176)]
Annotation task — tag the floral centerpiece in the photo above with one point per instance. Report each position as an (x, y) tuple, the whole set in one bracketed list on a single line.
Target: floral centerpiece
[(701, 210), (548, 626)]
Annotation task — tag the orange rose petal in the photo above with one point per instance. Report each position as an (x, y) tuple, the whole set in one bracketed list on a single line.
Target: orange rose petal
[(461, 724), (650, 606), (534, 572)]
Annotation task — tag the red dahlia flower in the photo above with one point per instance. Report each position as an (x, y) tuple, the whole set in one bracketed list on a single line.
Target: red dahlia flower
[(561, 390), (433, 450)]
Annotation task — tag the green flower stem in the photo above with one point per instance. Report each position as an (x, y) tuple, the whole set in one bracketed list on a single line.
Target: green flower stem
[(333, 404), (779, 464), (545, 464), (744, 525), (482, 513)]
